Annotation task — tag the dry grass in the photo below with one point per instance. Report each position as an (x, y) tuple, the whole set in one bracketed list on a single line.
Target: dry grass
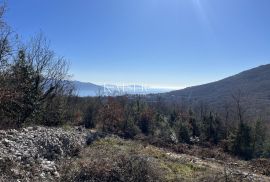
[(114, 159)]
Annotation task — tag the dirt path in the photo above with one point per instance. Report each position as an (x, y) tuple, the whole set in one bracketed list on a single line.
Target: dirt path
[(231, 169)]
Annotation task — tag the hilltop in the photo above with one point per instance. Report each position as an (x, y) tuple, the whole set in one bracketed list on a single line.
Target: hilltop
[(253, 83)]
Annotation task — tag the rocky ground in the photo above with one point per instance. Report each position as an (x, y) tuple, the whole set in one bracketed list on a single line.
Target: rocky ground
[(76, 154), (32, 153)]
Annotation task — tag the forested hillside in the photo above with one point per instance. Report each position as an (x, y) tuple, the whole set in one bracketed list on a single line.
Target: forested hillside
[(253, 84)]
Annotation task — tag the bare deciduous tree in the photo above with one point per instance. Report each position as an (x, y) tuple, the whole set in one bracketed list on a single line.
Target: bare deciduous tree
[(239, 99), (38, 76), (30, 75), (51, 72)]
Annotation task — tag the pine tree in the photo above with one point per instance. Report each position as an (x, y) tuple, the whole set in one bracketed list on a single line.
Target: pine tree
[(242, 142), (89, 117), (184, 134), (259, 135), (23, 85)]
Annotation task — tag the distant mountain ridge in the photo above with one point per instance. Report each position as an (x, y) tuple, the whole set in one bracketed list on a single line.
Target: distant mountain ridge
[(85, 89), (255, 83)]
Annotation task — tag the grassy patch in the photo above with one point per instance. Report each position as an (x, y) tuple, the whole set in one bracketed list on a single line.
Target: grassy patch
[(114, 159), (176, 171)]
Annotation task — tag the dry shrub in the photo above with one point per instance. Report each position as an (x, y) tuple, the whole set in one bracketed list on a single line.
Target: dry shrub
[(198, 151), (106, 162), (261, 166), (119, 168)]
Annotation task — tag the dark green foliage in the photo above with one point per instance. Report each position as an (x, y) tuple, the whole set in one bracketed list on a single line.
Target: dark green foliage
[(145, 122), (259, 135), (35, 99), (173, 118), (130, 128), (212, 128), (89, 117), (194, 127), (53, 112), (32, 82), (242, 142), (22, 81), (266, 150), (161, 128), (183, 134)]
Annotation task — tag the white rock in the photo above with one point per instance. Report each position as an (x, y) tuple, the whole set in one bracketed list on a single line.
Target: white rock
[(56, 174), (43, 175)]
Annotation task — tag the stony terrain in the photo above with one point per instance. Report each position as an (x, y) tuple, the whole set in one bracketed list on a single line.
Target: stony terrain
[(76, 154), (32, 153)]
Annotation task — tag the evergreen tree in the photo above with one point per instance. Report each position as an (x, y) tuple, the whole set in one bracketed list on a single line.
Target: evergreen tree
[(212, 129), (242, 142), (23, 84), (173, 118), (194, 125), (89, 117), (259, 135), (146, 122), (183, 134)]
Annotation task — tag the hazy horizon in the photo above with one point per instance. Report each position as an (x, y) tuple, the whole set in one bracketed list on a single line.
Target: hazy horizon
[(169, 88), (161, 44)]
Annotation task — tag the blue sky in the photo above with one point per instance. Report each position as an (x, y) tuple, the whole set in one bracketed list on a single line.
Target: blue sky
[(164, 43)]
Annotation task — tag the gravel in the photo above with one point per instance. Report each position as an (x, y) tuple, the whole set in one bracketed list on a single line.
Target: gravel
[(33, 153)]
